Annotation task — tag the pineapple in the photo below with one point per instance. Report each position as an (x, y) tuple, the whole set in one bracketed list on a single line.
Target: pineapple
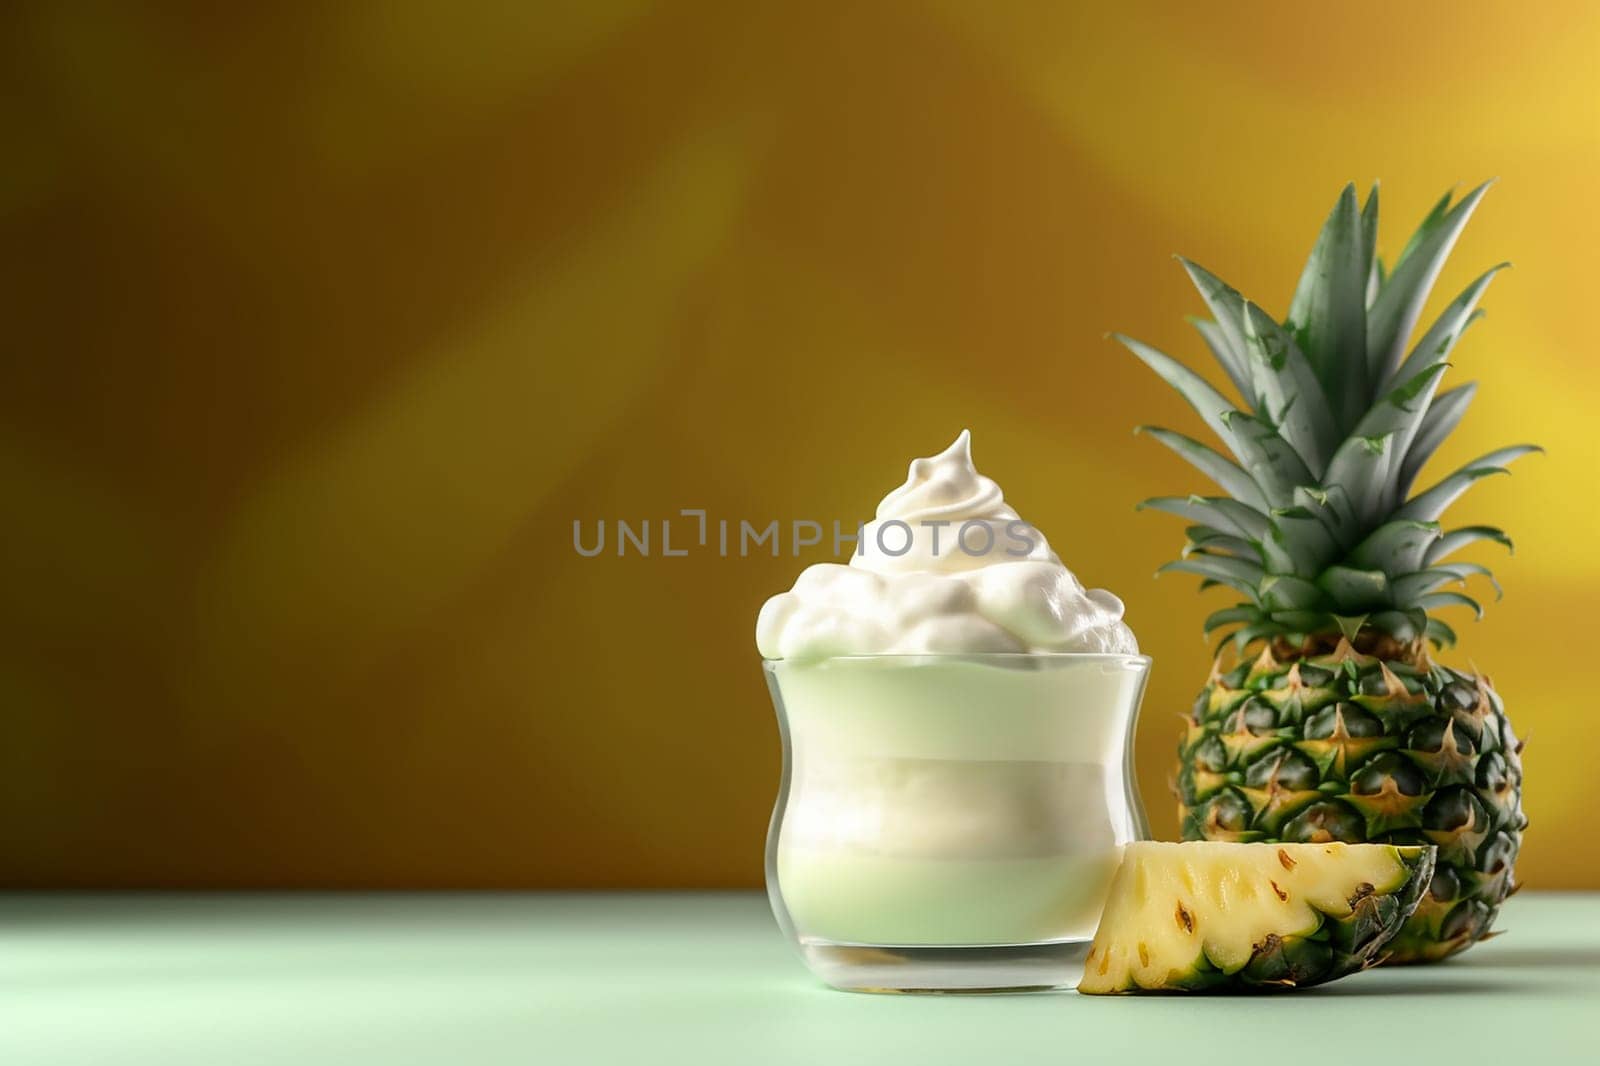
[(1192, 917), (1333, 722)]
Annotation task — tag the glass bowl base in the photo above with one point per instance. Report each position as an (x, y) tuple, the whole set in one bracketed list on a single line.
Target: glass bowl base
[(1040, 967)]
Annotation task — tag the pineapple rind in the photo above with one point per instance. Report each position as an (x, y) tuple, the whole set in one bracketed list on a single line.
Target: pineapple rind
[(1443, 771)]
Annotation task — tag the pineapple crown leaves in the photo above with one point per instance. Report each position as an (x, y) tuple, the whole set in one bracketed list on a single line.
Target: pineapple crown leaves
[(1318, 528)]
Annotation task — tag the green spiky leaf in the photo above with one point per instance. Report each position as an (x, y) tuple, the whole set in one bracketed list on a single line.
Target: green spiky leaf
[(1402, 625), (1271, 461), (1210, 404), (1227, 310), (1395, 547), (1441, 634), (1288, 390), (1366, 462), (1298, 542), (1229, 616), (1328, 313), (1338, 410), (1399, 303), (1238, 574), (1410, 588), (1435, 600), (1463, 570), (1301, 621), (1440, 420), (1331, 507), (1279, 551), (1244, 637), (1227, 474), (1359, 466), (1232, 362), (1204, 538), (1224, 515), (1350, 624), (1436, 344), (1355, 590), (1428, 506), (1457, 539), (1369, 243), (1284, 592)]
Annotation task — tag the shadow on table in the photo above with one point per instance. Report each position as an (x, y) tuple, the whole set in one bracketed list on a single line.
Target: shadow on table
[(1421, 985), (1512, 957)]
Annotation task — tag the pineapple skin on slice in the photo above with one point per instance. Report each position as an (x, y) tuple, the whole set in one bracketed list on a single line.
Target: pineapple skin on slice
[(1239, 917)]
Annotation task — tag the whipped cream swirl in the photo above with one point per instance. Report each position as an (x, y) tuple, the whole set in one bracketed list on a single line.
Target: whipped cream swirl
[(945, 567)]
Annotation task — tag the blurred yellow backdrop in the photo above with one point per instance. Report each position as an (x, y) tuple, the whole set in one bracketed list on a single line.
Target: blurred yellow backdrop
[(322, 328)]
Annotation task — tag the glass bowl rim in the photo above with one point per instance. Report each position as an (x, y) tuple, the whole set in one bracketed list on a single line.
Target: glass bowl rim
[(967, 656)]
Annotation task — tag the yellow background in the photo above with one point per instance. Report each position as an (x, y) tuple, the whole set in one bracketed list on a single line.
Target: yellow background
[(321, 329)]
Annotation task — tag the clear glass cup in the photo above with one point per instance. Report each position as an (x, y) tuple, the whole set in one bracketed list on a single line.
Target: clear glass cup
[(951, 823)]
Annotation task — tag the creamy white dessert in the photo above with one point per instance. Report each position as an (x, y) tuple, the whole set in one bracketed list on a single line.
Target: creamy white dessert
[(939, 795), (945, 567)]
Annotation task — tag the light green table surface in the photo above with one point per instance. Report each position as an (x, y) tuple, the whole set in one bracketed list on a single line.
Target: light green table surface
[(649, 979)]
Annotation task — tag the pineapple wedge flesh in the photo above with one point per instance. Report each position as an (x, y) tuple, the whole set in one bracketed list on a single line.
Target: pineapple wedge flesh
[(1222, 916)]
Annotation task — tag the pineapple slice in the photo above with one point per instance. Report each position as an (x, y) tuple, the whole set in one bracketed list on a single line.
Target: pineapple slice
[(1187, 917)]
